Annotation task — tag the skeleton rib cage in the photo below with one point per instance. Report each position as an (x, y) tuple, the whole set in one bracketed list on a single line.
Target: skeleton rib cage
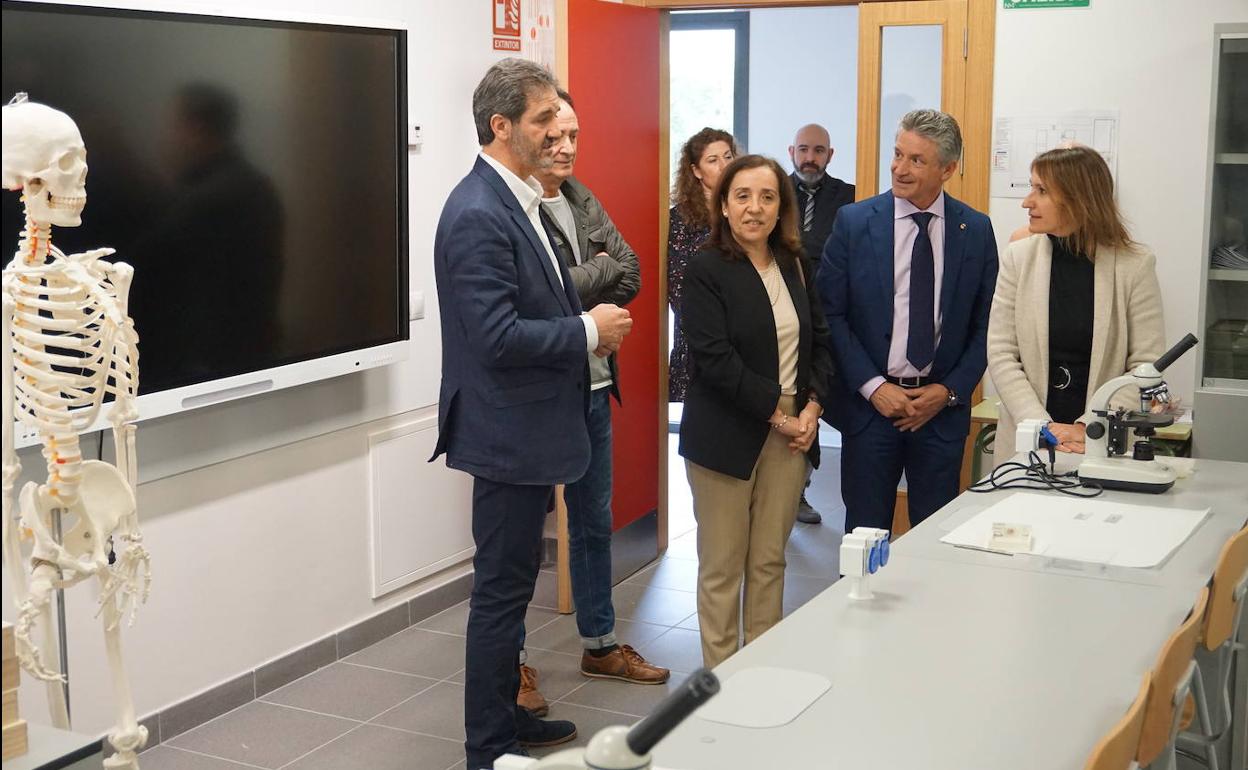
[(72, 345)]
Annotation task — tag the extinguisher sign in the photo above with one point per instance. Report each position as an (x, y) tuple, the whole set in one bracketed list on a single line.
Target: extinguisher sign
[(507, 25)]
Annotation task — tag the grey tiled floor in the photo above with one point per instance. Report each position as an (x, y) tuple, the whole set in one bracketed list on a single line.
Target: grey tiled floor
[(398, 705)]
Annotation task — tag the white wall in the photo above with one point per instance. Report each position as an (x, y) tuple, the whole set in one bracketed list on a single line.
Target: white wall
[(1152, 61), (804, 69), (256, 512)]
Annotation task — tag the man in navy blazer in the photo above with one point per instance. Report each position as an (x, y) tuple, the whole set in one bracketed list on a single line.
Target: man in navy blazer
[(515, 387), (907, 279)]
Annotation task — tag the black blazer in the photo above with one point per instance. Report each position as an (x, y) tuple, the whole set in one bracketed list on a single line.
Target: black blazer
[(833, 194), (735, 381)]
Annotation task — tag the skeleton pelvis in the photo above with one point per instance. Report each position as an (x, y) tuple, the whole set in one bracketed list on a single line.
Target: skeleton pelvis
[(104, 499)]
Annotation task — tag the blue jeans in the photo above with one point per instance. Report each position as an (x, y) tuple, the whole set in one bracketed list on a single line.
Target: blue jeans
[(589, 531)]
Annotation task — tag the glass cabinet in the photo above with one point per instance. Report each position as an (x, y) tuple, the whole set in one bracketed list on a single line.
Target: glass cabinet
[(1221, 404)]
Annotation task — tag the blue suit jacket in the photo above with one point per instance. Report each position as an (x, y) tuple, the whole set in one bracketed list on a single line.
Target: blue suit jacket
[(856, 286), (514, 361)]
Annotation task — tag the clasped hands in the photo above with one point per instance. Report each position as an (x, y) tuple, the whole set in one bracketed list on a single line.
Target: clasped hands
[(613, 322), (910, 408), (801, 430)]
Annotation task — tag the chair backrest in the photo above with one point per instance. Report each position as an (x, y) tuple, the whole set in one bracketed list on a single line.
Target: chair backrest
[(1232, 569), (1172, 664), (1118, 748)]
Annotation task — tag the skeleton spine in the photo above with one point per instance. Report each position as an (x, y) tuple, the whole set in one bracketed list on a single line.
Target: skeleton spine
[(56, 425)]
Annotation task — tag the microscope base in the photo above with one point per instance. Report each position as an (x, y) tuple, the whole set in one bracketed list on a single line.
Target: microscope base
[(1127, 474)]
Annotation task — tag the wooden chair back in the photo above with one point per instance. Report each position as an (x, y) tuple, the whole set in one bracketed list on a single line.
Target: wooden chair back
[(1176, 655), (1120, 745), (1230, 572)]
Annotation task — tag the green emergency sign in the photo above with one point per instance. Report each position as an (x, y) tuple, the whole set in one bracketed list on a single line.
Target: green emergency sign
[(1012, 4)]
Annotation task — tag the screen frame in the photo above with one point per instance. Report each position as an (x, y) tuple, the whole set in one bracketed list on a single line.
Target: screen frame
[(181, 399)]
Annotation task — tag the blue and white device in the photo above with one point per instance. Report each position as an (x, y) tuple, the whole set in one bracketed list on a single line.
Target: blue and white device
[(864, 552)]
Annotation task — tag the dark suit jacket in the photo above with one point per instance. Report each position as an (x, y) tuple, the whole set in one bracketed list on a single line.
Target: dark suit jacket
[(833, 194), (856, 286), (735, 383), (514, 366)]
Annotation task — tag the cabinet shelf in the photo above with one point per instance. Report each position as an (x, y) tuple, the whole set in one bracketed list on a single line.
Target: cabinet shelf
[(1220, 403)]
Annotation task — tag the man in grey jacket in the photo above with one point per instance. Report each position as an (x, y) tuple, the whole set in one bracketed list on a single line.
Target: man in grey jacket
[(604, 269)]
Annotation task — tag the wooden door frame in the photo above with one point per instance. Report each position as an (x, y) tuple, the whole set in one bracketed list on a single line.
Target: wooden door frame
[(870, 86), (976, 139)]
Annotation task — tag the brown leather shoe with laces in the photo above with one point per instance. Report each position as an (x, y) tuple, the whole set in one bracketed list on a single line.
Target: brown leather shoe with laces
[(625, 664), (529, 698)]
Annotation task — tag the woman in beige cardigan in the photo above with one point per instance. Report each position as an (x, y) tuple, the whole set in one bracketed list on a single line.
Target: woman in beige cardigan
[(1077, 302)]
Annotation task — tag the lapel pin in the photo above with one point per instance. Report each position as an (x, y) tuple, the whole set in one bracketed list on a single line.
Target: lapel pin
[(962, 226)]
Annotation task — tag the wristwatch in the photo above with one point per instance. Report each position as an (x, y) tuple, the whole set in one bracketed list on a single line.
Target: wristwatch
[(953, 397)]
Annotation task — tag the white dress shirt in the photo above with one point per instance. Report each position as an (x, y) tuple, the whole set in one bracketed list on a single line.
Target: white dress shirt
[(528, 194), (905, 231)]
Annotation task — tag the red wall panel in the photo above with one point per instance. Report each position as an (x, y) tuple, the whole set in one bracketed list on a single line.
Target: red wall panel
[(613, 74)]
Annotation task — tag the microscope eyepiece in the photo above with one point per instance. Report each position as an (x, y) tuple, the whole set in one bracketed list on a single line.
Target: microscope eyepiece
[(1174, 353)]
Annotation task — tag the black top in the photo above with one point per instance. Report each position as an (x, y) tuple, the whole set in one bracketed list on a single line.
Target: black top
[(683, 242), (735, 360), (1071, 305)]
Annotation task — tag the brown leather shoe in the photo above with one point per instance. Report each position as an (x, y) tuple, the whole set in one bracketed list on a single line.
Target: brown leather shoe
[(529, 698), (623, 663)]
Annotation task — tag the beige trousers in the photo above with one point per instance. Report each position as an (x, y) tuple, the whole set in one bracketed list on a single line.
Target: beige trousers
[(743, 526)]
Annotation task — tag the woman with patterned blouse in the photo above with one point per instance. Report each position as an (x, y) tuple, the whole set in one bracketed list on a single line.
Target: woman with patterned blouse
[(702, 159)]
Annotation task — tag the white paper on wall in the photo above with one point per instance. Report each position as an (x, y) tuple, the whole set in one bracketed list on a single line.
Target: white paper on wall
[(1018, 140), (537, 32), (1098, 531)]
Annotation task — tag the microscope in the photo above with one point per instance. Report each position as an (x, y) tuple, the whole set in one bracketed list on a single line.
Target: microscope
[(623, 748), (1113, 458)]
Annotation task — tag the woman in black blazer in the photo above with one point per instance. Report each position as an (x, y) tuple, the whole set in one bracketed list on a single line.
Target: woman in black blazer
[(758, 345)]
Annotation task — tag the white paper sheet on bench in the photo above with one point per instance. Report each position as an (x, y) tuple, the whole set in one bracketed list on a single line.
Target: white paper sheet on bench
[(1100, 531)]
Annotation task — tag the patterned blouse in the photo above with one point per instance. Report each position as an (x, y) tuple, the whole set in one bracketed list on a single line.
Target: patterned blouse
[(683, 241)]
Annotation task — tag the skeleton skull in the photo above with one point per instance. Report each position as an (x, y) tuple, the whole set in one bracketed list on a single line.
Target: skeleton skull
[(45, 157)]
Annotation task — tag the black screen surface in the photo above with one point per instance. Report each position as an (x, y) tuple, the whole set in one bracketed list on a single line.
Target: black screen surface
[(252, 172)]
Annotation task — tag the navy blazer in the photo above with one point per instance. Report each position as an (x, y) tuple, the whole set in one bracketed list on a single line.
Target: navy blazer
[(514, 359), (856, 285)]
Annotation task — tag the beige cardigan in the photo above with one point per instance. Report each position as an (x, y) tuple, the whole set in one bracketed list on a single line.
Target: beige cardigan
[(1127, 329)]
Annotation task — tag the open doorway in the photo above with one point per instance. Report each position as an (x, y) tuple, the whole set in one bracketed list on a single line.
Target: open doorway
[(760, 75), (627, 113)]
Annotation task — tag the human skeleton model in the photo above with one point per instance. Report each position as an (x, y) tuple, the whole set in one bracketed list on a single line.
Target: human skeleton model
[(68, 343)]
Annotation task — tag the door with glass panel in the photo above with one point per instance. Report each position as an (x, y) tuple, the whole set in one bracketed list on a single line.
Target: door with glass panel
[(911, 55)]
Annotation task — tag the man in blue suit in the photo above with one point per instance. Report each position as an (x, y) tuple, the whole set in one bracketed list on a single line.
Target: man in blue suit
[(907, 279), (515, 386)]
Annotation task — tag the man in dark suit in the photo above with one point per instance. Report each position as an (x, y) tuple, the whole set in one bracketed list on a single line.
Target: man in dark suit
[(512, 406), (819, 197), (907, 282)]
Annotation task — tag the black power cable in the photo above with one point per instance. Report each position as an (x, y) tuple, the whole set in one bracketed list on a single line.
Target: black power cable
[(1036, 476)]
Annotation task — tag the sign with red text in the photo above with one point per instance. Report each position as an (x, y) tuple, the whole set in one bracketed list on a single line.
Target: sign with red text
[(506, 25)]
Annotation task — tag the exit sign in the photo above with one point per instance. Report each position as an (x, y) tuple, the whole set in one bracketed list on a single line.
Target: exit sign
[(1012, 4)]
